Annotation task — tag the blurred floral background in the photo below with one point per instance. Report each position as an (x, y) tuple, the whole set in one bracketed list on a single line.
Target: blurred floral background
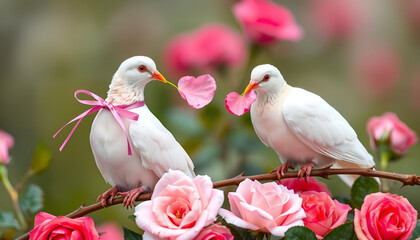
[(363, 57)]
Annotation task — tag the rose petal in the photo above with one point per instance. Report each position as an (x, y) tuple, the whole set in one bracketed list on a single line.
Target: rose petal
[(197, 91), (237, 104)]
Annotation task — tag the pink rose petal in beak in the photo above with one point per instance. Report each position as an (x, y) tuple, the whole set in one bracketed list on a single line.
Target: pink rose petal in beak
[(239, 105), (197, 91)]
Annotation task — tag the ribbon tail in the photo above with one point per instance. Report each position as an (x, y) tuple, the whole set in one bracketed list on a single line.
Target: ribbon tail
[(120, 122)]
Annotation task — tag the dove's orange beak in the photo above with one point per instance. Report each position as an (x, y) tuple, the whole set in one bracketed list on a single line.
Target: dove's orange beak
[(157, 76), (250, 86)]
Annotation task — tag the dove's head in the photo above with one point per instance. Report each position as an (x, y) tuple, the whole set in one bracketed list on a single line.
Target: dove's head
[(128, 83), (139, 70), (265, 79)]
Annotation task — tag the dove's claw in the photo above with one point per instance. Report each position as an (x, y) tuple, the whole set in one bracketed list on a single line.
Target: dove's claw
[(305, 171), (111, 193), (282, 169), (131, 196)]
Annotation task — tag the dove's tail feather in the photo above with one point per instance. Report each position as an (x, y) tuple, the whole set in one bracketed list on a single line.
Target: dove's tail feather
[(349, 179)]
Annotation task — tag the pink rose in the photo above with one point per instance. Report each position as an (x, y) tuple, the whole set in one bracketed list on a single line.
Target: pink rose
[(300, 186), (110, 231), (48, 227), (264, 207), (385, 216), (6, 142), (401, 136), (215, 232), (207, 49), (322, 213), (180, 207), (335, 19), (265, 21)]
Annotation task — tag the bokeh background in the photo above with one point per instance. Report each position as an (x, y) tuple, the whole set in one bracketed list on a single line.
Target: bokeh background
[(363, 57)]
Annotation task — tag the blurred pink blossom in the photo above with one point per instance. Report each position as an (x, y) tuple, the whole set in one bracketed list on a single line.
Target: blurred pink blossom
[(334, 19), (238, 104), (215, 232), (265, 21), (197, 91), (385, 216), (322, 213), (6, 142), (264, 207), (301, 186), (207, 49), (401, 136), (110, 231), (377, 70)]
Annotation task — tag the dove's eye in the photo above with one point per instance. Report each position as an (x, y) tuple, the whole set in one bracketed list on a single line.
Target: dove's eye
[(266, 78), (142, 68)]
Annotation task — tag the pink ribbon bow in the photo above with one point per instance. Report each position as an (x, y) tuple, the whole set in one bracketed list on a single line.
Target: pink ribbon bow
[(117, 111)]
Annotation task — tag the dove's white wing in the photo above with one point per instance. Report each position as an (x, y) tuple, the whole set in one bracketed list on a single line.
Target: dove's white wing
[(158, 149), (323, 129)]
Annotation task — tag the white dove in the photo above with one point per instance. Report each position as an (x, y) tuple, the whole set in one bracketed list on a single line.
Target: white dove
[(302, 128), (155, 148)]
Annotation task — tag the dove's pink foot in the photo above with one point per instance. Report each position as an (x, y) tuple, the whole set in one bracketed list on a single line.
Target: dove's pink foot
[(282, 169), (131, 196), (305, 171), (111, 193)]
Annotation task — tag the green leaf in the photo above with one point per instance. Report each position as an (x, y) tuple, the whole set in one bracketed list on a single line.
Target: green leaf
[(300, 233), (33, 200), (41, 158), (7, 220), (363, 186), (342, 232), (239, 233), (132, 217), (416, 232), (130, 235)]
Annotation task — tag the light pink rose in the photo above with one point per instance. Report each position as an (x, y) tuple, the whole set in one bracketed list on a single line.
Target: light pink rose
[(300, 186), (238, 104), (402, 137), (180, 207), (49, 227), (265, 21), (6, 142), (215, 232), (322, 213), (385, 216), (207, 49), (264, 207), (197, 91), (110, 231), (335, 19)]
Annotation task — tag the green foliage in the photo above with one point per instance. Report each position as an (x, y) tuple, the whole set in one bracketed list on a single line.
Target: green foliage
[(416, 232), (132, 217), (300, 233), (239, 233), (41, 158), (342, 232), (7, 220), (362, 186), (32, 202), (130, 235)]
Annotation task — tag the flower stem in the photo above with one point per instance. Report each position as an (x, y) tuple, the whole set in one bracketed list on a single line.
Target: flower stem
[(13, 195), (172, 85), (385, 157), (260, 235)]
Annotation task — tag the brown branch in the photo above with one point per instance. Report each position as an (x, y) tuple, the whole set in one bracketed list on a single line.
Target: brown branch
[(406, 179)]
